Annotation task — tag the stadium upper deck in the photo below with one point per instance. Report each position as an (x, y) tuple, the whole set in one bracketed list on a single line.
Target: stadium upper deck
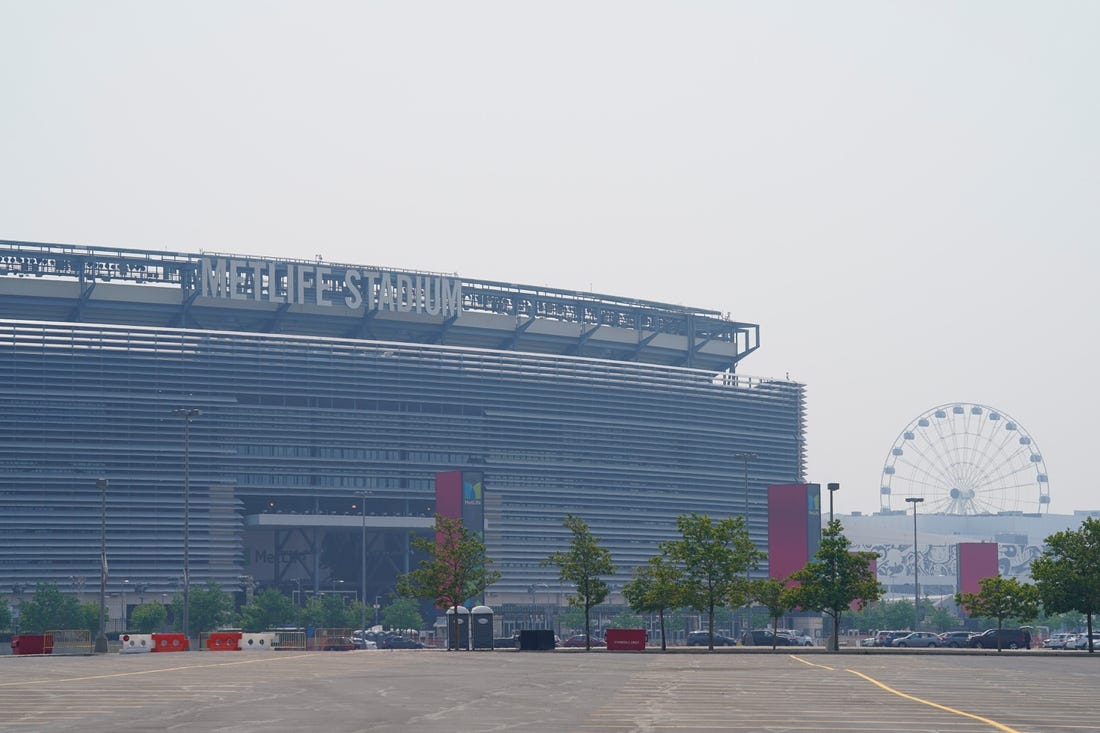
[(217, 291)]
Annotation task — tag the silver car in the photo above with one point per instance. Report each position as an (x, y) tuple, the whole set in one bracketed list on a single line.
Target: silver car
[(918, 638)]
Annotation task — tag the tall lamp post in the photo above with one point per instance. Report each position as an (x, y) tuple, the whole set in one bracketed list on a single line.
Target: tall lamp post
[(125, 585), (834, 637), (363, 571), (915, 500), (188, 414), (101, 639), (746, 456), (833, 488)]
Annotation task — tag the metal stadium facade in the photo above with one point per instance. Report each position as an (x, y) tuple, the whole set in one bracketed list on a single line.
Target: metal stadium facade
[(324, 399)]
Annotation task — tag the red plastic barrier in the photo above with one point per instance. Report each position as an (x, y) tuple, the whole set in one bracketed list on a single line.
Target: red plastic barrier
[(170, 643), (32, 644), (224, 641), (625, 640)]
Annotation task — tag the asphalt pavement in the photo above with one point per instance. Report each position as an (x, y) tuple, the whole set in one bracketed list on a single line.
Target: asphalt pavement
[(560, 691)]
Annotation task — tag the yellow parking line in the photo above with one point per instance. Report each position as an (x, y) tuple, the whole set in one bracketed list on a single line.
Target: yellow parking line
[(994, 723), (810, 664), (153, 671)]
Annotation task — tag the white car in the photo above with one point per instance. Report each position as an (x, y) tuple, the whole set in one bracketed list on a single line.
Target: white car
[(797, 637), (1081, 641), (1056, 641)]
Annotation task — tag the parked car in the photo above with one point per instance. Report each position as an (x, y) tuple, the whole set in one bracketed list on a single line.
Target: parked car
[(1081, 641), (886, 638), (362, 640), (578, 640), (1057, 641), (702, 638), (917, 638), (797, 637), (763, 637), (1009, 639), (400, 642), (956, 639)]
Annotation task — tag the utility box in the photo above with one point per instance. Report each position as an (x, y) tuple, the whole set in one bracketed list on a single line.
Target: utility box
[(536, 640), (481, 627), (462, 632), (32, 644), (626, 640)]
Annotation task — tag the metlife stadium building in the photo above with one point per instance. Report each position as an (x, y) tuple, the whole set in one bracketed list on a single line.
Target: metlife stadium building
[(324, 402)]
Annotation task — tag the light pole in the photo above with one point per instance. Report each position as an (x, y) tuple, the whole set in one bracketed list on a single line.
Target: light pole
[(188, 414), (746, 456), (834, 637), (363, 569), (125, 585), (101, 640), (298, 610), (914, 500)]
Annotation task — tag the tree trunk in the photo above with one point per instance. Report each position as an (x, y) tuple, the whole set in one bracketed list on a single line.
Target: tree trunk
[(662, 614), (587, 628)]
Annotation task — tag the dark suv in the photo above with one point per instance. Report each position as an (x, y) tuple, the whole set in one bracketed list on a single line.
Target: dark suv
[(1010, 639), (763, 637), (702, 638)]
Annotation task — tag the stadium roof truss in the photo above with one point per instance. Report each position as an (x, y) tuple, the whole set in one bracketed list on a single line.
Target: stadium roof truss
[(97, 284)]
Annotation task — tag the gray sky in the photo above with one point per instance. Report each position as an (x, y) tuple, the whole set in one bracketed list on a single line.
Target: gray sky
[(903, 194)]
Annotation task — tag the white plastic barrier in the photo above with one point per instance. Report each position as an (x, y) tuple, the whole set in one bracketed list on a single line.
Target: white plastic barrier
[(258, 642), (136, 643)]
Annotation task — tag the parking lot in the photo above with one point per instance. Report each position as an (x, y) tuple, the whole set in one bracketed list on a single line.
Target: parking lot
[(554, 691)]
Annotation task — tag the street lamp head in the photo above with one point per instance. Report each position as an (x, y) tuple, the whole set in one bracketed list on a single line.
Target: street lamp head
[(101, 483), (833, 487), (914, 500), (186, 412)]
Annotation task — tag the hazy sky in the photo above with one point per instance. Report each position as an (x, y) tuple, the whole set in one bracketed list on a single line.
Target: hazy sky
[(905, 195)]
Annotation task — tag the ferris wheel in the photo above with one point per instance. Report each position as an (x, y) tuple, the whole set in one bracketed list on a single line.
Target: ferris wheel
[(964, 458)]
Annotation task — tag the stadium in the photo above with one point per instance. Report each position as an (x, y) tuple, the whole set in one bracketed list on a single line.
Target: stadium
[(282, 423)]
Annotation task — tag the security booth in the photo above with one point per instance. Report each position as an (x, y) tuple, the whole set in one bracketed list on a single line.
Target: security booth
[(481, 627), (463, 628)]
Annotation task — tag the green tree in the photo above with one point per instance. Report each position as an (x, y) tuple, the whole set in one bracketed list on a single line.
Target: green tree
[(714, 558), (775, 596), (583, 564), (1063, 622), (1067, 573), (269, 609), (211, 608), (1001, 598), (938, 618), (836, 579), (456, 568), (5, 614), (50, 609), (329, 611), (402, 613), (625, 620), (148, 617), (654, 588), (89, 617), (571, 618)]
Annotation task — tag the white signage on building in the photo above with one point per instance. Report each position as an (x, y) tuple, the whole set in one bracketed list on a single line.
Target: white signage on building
[(298, 283)]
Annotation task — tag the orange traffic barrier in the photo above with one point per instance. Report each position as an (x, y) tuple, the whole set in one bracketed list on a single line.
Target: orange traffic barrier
[(224, 641), (170, 643)]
